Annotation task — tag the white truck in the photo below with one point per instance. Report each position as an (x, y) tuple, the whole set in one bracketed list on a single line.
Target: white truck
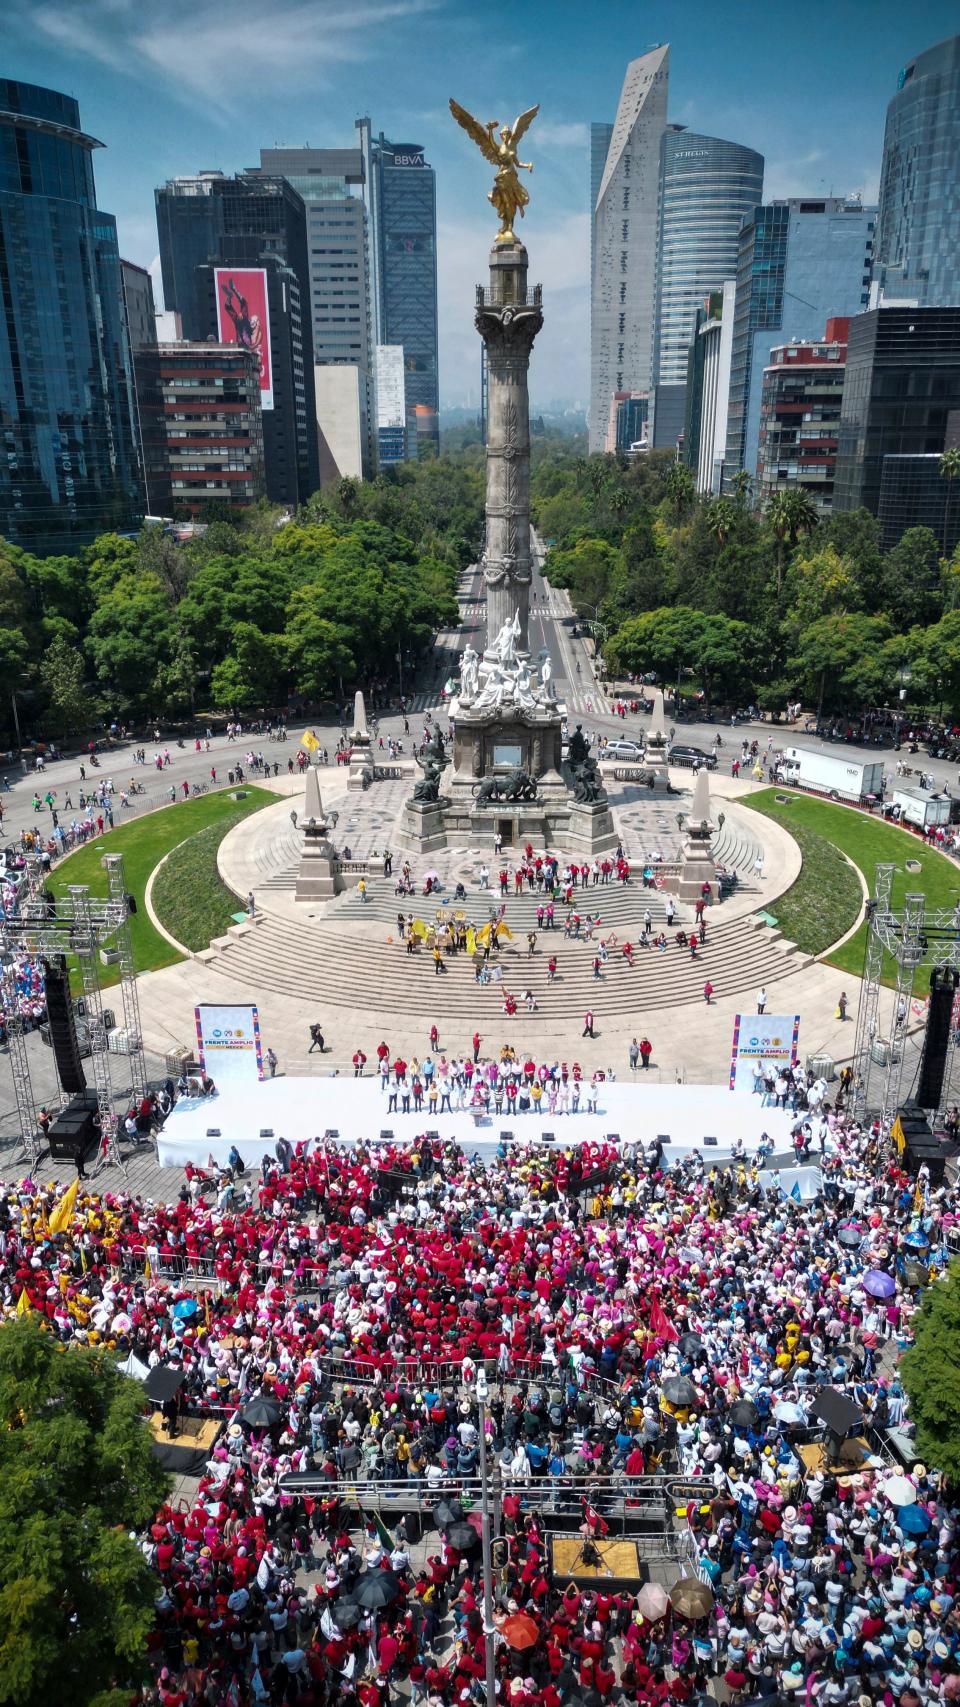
[(918, 806), (827, 773)]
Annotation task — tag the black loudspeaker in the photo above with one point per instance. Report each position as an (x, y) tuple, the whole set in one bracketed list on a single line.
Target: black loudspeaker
[(63, 1032), (943, 989), (74, 1129)]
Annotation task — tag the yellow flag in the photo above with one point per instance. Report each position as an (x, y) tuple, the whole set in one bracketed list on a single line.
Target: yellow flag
[(23, 1303), (504, 931), (309, 740), (471, 940), (63, 1210), (83, 1259), (146, 1269)]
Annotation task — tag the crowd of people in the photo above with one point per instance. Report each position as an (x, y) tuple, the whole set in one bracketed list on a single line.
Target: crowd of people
[(638, 1317)]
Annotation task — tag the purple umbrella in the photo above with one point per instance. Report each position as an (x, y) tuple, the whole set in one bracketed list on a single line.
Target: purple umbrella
[(879, 1284)]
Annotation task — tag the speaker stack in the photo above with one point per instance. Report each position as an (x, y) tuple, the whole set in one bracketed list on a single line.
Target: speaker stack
[(917, 1143), (74, 1129), (63, 1031), (936, 1040)]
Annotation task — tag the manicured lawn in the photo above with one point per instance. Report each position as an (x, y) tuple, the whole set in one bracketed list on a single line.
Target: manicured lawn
[(868, 842), (143, 844), (189, 895), (826, 898)]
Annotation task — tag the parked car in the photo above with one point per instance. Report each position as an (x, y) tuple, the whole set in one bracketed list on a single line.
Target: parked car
[(691, 756), (628, 750)]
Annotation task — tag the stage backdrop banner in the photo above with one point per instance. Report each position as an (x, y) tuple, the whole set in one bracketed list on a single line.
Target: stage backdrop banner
[(770, 1039), (228, 1044)]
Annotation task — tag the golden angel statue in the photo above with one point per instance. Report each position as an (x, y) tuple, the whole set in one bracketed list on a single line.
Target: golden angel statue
[(508, 195)]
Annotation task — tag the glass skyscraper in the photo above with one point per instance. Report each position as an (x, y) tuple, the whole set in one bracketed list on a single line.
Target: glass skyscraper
[(918, 230), (402, 205), (708, 187), (799, 263), (69, 467)]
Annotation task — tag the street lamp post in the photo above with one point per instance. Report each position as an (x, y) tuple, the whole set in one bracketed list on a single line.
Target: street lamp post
[(483, 1393)]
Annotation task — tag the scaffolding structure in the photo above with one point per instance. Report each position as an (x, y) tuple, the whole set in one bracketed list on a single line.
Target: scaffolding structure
[(80, 924), (910, 936)]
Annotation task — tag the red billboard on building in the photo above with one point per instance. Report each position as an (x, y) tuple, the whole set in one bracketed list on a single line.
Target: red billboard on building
[(243, 318)]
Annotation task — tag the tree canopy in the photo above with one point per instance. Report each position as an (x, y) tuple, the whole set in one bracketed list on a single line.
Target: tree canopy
[(77, 1474), (930, 1371), (248, 611), (805, 605)]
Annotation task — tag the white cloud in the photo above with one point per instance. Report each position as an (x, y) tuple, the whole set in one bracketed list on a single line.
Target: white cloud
[(561, 135), (221, 59)]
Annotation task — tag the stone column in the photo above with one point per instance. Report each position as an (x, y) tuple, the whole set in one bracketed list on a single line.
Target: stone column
[(508, 319)]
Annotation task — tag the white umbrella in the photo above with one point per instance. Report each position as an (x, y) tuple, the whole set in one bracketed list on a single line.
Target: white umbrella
[(899, 1490), (787, 1412)]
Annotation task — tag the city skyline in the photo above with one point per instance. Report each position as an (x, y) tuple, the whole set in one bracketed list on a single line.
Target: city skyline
[(168, 99)]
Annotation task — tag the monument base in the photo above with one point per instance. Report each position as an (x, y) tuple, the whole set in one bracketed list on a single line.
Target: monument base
[(697, 868), (422, 827)]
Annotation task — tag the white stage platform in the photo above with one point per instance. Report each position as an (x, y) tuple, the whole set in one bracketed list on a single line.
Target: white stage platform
[(298, 1108)]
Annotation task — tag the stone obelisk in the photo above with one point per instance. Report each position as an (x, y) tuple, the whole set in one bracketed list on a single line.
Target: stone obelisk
[(508, 318)]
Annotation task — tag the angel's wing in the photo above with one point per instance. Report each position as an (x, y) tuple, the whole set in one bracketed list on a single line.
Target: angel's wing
[(523, 123), (474, 128)]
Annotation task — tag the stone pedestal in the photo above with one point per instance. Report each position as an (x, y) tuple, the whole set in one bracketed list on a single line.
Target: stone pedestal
[(697, 867), (422, 826), (318, 878), (360, 760), (591, 829)]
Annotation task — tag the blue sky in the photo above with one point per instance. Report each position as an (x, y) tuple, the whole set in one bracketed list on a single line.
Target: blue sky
[(202, 83)]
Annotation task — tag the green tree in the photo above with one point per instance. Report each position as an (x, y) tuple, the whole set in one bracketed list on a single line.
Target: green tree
[(130, 638), (790, 514), (77, 1474), (719, 650), (680, 489), (930, 1371), (949, 471), (587, 571), (910, 580), (250, 673), (844, 659), (721, 517), (63, 677), (934, 655)]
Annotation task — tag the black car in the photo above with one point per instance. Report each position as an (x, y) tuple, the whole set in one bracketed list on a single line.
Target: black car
[(682, 755)]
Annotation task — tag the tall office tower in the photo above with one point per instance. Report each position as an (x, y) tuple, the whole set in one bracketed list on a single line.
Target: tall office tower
[(339, 267), (799, 262), (252, 229), (624, 246), (918, 228), (900, 412), (707, 188), (401, 198), (600, 137), (391, 405), (69, 462), (138, 305)]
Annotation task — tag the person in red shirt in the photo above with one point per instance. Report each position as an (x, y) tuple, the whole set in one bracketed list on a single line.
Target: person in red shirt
[(477, 1040)]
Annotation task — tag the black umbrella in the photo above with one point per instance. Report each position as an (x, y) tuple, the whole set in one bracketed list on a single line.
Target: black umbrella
[(446, 1512), (260, 1412), (376, 1589), (679, 1390), (691, 1345), (346, 1613), (462, 1536), (744, 1414), (162, 1382)]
